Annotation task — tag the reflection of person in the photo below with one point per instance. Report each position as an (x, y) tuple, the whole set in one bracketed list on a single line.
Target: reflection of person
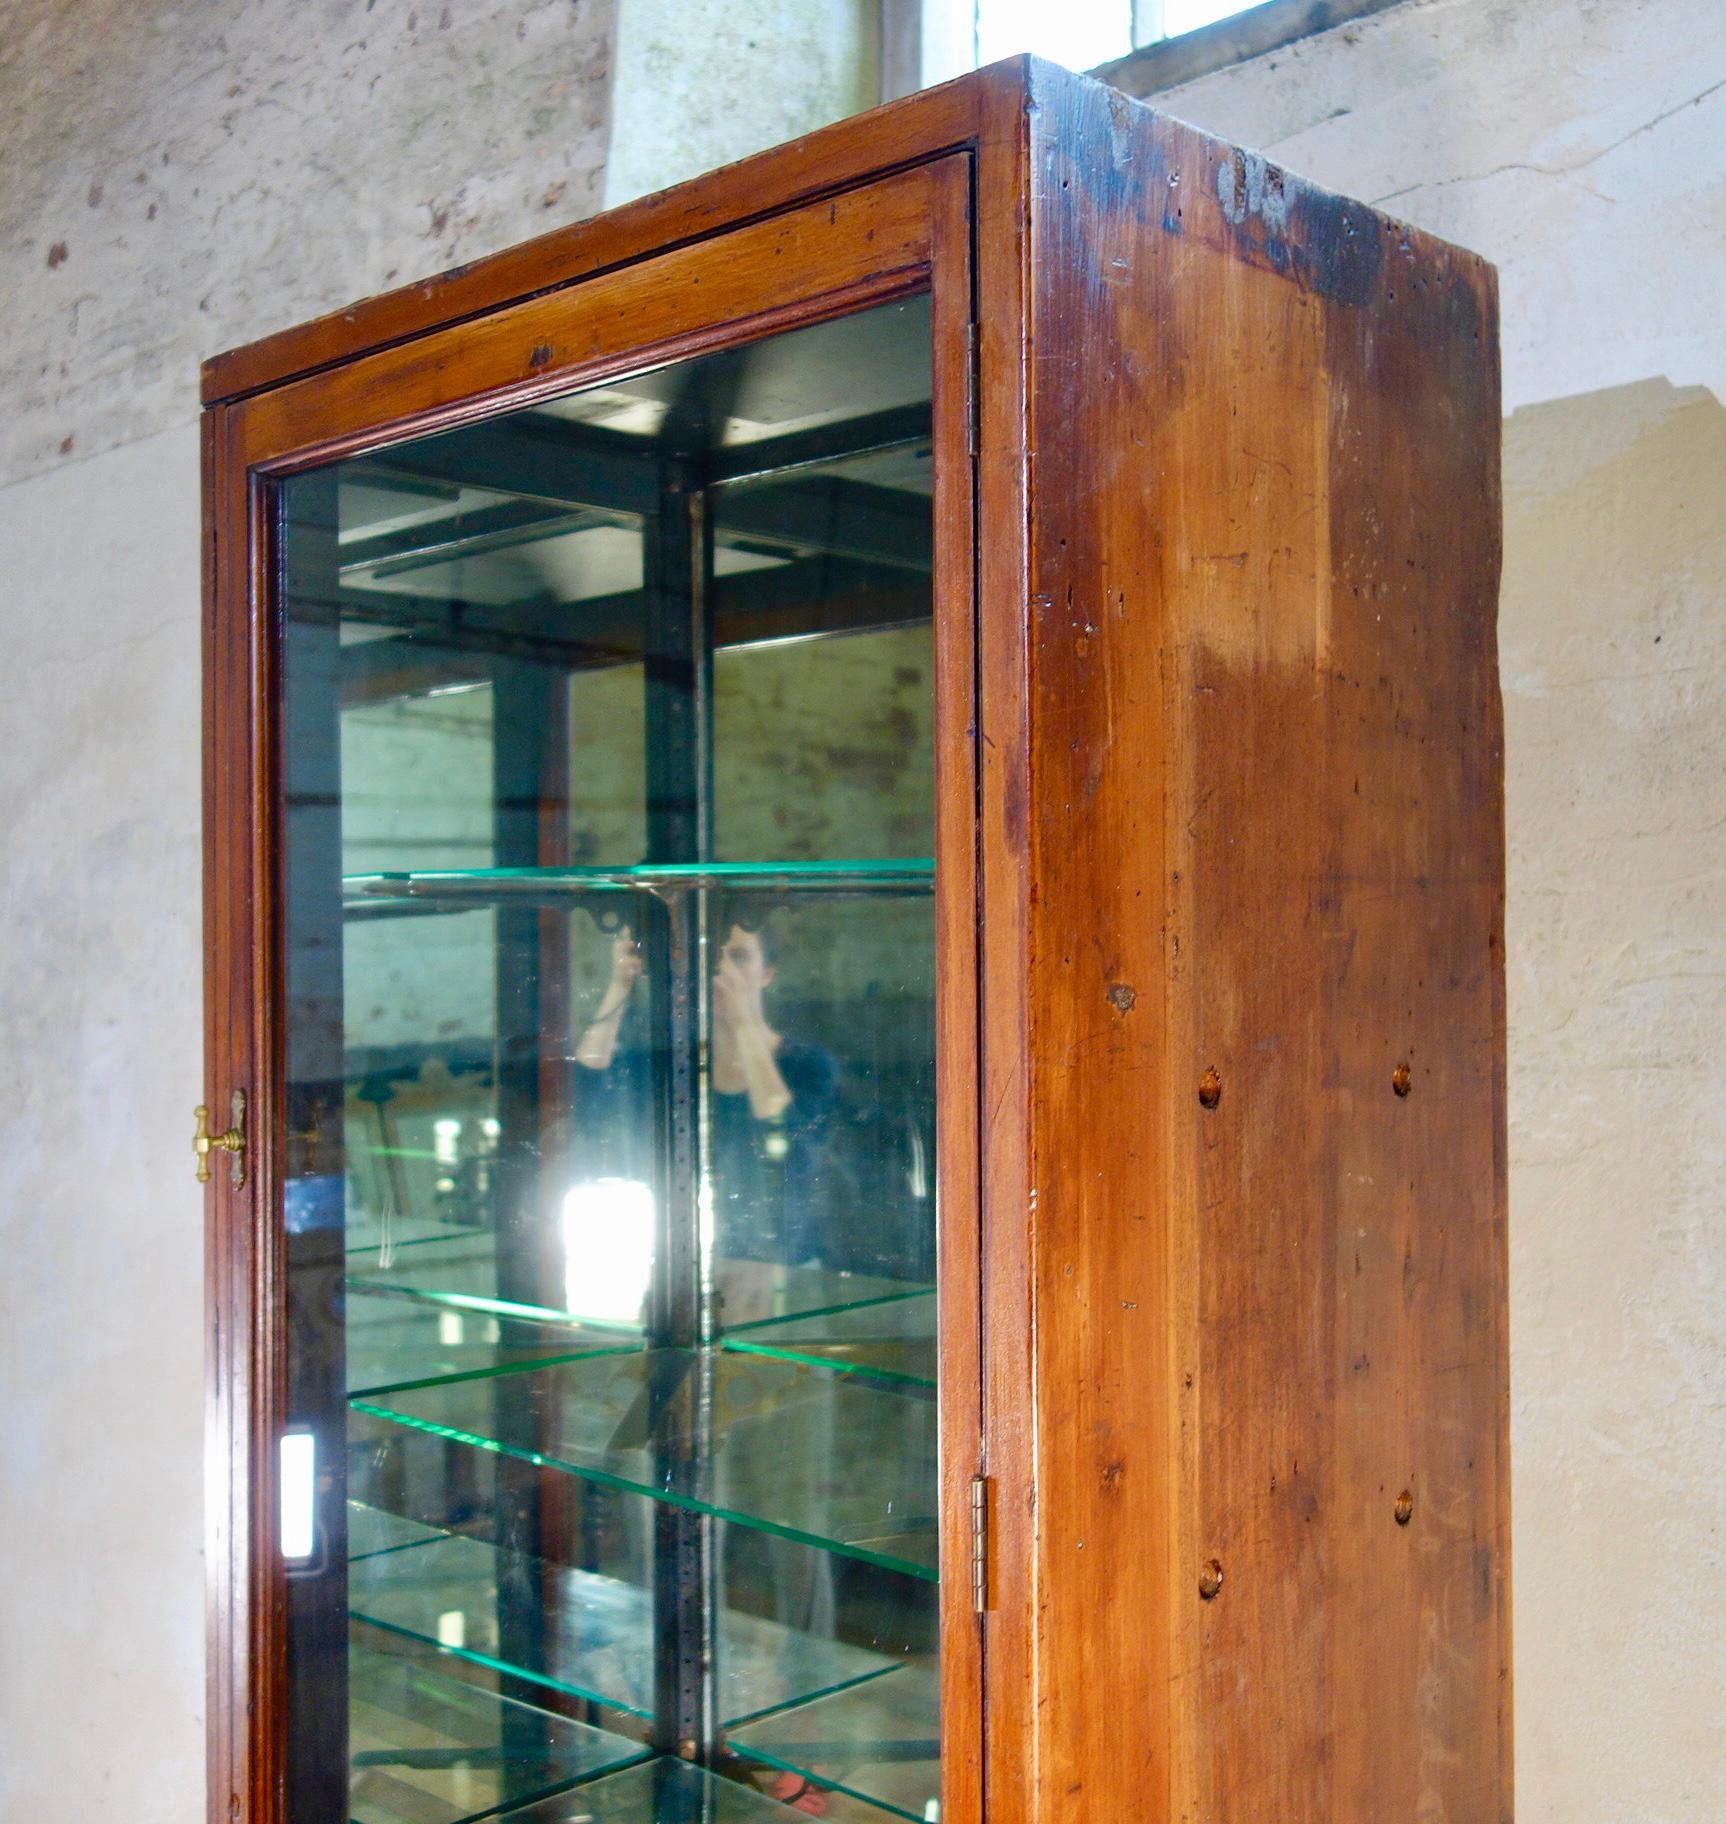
[(745, 1048), (771, 1099), (768, 1105)]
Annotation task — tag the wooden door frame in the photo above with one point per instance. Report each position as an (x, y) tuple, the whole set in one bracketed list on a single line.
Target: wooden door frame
[(301, 401)]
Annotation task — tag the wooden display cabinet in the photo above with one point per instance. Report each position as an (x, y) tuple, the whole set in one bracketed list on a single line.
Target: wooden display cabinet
[(948, 667)]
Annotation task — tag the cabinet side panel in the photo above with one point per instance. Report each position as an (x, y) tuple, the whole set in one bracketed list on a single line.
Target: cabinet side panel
[(1267, 871)]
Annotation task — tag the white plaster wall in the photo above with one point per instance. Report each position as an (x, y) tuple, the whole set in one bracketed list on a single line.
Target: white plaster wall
[(1613, 640), (1582, 146), (701, 83), (101, 1642)]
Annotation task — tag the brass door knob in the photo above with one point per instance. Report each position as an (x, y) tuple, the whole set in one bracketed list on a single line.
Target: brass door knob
[(232, 1142)]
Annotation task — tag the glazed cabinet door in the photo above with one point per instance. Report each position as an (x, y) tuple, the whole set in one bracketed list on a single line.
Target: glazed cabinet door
[(595, 1302)]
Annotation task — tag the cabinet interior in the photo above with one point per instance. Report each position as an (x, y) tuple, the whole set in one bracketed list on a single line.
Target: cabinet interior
[(609, 1206)]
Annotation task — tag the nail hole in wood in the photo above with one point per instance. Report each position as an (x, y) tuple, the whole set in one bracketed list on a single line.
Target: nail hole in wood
[(1210, 1089), (1210, 1579), (1401, 1081)]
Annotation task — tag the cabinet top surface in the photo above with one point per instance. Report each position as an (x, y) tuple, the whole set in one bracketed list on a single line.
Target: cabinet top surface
[(979, 113)]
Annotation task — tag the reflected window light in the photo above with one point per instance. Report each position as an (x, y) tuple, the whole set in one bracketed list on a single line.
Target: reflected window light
[(1078, 33), (446, 1140), (452, 1629), (450, 1329), (607, 1249), (297, 1485)]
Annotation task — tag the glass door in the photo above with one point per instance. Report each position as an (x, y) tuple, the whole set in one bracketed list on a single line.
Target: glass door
[(609, 1481)]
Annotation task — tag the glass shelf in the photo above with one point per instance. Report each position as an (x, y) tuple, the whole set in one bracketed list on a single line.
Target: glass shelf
[(751, 1292), (877, 1741), (364, 1236), (665, 1791), (888, 1339), (426, 1749), (372, 1530), (468, 887), (828, 1460), (460, 1273), (396, 1341), (599, 1630), (521, 1175)]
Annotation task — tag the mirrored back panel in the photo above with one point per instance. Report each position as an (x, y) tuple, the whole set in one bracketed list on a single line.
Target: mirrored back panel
[(609, 1482)]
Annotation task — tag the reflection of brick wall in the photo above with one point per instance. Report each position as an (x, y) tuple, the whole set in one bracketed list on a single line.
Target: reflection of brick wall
[(826, 748), (416, 793), (823, 749)]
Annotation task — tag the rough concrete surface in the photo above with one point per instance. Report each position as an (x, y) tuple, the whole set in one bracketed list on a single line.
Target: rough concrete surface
[(181, 178), (1579, 145)]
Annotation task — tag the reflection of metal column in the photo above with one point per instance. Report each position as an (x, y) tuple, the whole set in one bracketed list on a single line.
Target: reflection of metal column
[(314, 1189), (678, 684)]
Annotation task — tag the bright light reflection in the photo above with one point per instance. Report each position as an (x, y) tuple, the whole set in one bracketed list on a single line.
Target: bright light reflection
[(1078, 33), (607, 1249), (297, 1482), (1084, 33)]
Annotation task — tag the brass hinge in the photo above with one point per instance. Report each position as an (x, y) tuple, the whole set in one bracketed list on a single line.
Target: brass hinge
[(980, 1543), (973, 388)]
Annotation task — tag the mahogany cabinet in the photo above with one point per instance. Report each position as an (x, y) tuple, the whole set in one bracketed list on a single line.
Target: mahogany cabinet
[(855, 1002)]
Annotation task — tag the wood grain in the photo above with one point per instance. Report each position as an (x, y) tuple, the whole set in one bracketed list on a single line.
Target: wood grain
[(959, 1214), (1266, 840), (863, 248), (1011, 1723), (245, 1666)]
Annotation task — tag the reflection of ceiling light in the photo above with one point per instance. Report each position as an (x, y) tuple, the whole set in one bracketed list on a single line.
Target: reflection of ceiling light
[(610, 409), (457, 690), (607, 1249), (641, 415)]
